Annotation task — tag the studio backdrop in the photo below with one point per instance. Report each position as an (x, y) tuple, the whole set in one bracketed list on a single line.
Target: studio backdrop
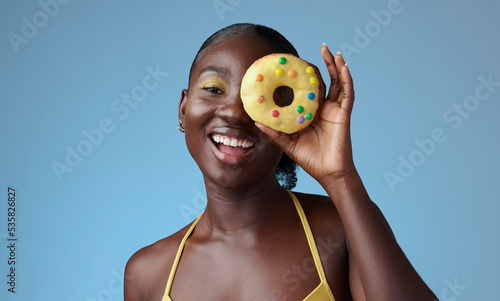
[(93, 168)]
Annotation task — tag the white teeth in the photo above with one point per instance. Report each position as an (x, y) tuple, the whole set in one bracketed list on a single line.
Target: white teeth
[(232, 141)]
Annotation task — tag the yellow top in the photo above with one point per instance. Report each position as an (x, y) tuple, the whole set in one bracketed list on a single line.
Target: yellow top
[(321, 293)]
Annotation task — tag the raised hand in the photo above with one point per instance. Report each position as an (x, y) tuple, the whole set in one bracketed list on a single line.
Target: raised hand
[(324, 148)]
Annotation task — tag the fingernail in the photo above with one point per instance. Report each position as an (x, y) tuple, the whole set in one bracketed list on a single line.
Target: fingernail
[(338, 52), (323, 45), (345, 64)]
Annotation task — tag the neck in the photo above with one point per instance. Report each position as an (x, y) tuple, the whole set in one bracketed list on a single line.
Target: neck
[(233, 212)]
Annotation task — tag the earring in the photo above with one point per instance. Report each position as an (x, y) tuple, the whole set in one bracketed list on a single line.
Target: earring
[(179, 126)]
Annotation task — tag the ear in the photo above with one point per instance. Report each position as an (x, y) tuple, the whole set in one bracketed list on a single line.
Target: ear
[(182, 104)]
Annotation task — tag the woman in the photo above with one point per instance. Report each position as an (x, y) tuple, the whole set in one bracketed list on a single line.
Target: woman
[(255, 240)]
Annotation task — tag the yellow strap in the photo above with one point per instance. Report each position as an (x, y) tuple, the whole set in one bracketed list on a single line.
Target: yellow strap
[(323, 289), (177, 259), (310, 238), (310, 241)]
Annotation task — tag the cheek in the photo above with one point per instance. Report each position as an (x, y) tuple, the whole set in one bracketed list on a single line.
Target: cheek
[(197, 115), (266, 157), (197, 111)]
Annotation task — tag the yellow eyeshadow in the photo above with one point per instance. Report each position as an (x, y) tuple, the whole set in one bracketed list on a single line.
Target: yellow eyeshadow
[(212, 83)]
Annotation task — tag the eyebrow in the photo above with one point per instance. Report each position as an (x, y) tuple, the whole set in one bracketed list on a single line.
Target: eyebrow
[(218, 70)]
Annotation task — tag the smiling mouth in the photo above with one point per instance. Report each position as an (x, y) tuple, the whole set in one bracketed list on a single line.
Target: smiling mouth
[(232, 146)]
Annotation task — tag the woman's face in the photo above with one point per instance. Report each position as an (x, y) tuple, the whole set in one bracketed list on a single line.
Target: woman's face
[(223, 140)]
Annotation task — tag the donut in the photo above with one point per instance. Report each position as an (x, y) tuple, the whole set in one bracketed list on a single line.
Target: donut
[(281, 91)]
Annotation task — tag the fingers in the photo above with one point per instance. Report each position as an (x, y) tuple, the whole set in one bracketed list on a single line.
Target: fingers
[(341, 86), (346, 97), (335, 86), (347, 100), (281, 140), (339, 60)]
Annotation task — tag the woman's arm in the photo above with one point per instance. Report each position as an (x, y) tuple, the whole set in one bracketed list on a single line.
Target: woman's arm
[(383, 270), (379, 269)]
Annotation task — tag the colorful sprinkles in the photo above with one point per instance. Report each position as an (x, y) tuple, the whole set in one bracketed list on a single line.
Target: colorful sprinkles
[(292, 74)]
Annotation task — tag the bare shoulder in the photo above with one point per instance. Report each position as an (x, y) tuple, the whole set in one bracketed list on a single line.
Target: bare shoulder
[(321, 212), (323, 217), (147, 270)]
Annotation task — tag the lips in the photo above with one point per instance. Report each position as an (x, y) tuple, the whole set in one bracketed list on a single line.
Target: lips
[(231, 149)]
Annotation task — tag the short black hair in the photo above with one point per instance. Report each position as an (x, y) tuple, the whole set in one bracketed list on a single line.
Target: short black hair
[(286, 170)]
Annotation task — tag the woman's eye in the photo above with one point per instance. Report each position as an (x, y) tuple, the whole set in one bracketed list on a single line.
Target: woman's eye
[(213, 89)]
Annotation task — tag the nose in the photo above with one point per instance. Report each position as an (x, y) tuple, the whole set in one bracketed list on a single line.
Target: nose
[(231, 109)]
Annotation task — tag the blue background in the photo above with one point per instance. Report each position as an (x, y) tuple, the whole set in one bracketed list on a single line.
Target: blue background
[(139, 184)]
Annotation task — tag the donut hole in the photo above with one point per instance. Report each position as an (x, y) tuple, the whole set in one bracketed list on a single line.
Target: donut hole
[(283, 96)]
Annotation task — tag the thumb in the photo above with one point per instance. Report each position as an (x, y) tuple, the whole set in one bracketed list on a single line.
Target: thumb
[(280, 139)]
